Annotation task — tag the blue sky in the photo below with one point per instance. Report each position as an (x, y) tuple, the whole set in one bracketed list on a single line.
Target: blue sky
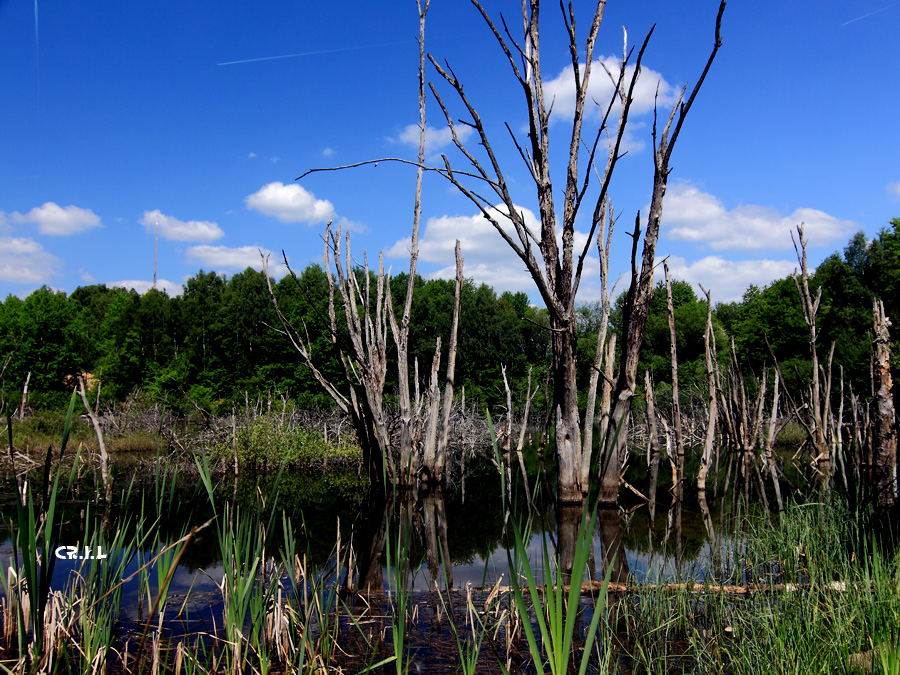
[(116, 114)]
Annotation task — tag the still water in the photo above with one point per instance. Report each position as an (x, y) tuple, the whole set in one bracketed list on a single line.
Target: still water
[(468, 524)]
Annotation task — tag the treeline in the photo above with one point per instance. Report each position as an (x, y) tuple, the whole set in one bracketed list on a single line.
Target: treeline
[(769, 321), (217, 342)]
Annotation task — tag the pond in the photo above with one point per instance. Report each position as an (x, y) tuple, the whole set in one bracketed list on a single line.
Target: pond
[(291, 531)]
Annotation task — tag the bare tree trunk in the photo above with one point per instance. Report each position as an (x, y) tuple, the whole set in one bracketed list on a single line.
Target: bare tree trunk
[(770, 442), (837, 437), (234, 438), (856, 436), (520, 444), (606, 390), (637, 302), (408, 466), (568, 422), (653, 446), (432, 409), (441, 458), (709, 339), (676, 398), (884, 435), (437, 418), (104, 456), (817, 429), (558, 274), (603, 247), (24, 397)]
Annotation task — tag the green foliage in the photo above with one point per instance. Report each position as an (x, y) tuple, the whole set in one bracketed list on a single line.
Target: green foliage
[(216, 343), (268, 442)]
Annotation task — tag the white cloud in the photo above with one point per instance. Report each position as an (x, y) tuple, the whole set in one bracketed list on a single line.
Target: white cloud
[(290, 204), (225, 258), (894, 188), (327, 152), (180, 230), (55, 220), (691, 215), (251, 155), (169, 287), (87, 277), (727, 279), (435, 138), (25, 261), (274, 160), (561, 90), (486, 257)]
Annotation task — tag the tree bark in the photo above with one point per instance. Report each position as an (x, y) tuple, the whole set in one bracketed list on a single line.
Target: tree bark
[(676, 398), (712, 405), (603, 247), (770, 443), (884, 435), (104, 455), (653, 445), (818, 427)]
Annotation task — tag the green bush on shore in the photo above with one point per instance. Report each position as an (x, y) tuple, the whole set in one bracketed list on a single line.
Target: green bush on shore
[(267, 441)]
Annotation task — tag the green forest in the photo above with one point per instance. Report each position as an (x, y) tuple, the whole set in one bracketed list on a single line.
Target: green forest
[(220, 341)]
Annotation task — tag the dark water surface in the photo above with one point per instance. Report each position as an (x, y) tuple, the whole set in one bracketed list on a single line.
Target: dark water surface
[(466, 524)]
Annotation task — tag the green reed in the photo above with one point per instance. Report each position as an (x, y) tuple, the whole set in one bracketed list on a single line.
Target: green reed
[(824, 597), (556, 607)]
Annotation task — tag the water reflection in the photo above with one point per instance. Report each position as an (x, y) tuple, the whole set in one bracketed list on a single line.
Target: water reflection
[(369, 540), (455, 538)]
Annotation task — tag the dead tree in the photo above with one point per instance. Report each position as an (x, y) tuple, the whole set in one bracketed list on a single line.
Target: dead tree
[(437, 430), (555, 267), (401, 331), (819, 401), (743, 420), (361, 342), (770, 441), (884, 434), (709, 343), (653, 443), (676, 402), (637, 302), (602, 354), (104, 455)]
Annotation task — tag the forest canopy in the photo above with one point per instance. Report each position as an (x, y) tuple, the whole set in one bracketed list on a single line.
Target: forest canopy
[(217, 342)]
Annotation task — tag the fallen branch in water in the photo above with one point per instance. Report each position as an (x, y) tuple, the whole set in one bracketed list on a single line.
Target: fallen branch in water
[(592, 587)]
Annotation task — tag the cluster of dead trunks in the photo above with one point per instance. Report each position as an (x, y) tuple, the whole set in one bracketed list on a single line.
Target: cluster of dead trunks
[(858, 444), (364, 322)]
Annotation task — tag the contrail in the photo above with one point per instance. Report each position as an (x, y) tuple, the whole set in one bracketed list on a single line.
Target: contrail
[(37, 44), (324, 51), (866, 16), (37, 59)]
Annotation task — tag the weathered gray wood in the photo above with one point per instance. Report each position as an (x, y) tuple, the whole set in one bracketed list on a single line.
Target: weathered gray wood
[(557, 274), (884, 429), (709, 440), (817, 427), (676, 398)]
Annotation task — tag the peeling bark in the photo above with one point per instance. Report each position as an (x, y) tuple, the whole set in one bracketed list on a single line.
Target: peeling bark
[(884, 433)]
